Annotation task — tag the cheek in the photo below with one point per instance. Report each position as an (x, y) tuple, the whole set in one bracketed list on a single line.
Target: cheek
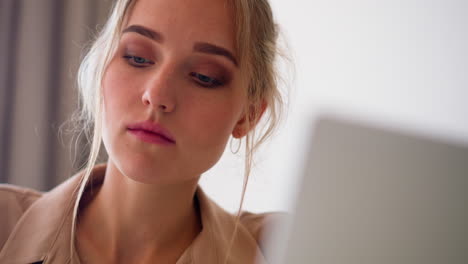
[(117, 100), (117, 89), (206, 144), (210, 123), (214, 117)]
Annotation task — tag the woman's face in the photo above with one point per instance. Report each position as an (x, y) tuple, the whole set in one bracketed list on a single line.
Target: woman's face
[(175, 68)]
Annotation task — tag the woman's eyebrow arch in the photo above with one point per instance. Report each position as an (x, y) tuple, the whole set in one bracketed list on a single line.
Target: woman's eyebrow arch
[(199, 46), (213, 49), (149, 33)]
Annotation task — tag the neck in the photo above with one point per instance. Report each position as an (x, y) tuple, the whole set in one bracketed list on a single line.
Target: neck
[(134, 221)]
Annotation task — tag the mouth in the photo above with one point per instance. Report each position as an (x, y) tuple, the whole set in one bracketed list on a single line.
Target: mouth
[(151, 137), (151, 132)]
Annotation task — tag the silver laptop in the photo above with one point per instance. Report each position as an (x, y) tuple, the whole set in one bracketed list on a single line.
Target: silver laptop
[(375, 196)]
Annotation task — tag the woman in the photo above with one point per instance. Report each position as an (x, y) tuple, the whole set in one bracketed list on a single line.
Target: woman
[(164, 86)]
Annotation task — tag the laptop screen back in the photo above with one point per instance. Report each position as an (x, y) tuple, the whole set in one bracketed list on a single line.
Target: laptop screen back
[(374, 196)]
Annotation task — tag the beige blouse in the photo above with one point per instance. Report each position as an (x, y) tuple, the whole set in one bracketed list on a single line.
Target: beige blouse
[(36, 227)]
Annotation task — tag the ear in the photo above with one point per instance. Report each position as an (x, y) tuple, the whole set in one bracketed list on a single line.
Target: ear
[(242, 126)]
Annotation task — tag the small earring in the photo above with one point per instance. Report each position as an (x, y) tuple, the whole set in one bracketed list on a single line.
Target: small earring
[(238, 145)]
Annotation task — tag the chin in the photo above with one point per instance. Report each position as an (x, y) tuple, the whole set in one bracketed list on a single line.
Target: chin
[(147, 171)]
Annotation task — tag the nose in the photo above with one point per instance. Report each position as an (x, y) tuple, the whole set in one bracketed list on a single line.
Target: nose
[(159, 93)]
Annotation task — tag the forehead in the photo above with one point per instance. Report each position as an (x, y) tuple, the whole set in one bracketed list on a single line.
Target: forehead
[(187, 21)]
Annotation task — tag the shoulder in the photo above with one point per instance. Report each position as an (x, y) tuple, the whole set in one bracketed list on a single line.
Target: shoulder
[(14, 201), (262, 225)]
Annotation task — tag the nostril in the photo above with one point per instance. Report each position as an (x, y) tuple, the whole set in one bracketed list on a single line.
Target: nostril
[(146, 101)]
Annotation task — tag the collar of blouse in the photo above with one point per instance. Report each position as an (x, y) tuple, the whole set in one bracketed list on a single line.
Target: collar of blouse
[(43, 234)]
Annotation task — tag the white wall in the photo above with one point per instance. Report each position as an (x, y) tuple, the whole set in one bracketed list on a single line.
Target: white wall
[(402, 62)]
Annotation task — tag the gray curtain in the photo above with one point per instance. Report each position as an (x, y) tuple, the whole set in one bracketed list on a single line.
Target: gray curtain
[(41, 43)]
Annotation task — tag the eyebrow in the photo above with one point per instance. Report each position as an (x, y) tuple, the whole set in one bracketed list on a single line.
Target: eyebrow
[(202, 47), (156, 36), (215, 50)]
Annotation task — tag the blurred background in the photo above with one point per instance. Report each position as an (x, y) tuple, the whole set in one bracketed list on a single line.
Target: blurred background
[(401, 63), (41, 43)]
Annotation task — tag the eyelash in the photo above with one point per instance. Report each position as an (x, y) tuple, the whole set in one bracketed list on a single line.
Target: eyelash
[(132, 61), (211, 83), (201, 79)]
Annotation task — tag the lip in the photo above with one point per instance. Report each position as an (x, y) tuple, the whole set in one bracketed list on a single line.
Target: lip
[(151, 132)]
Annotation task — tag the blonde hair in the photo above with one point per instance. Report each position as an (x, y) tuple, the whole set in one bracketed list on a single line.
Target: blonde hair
[(256, 38)]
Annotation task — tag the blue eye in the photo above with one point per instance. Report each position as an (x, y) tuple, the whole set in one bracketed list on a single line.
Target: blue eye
[(137, 61), (206, 81)]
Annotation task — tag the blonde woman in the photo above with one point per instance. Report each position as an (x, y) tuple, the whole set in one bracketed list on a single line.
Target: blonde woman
[(165, 85)]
